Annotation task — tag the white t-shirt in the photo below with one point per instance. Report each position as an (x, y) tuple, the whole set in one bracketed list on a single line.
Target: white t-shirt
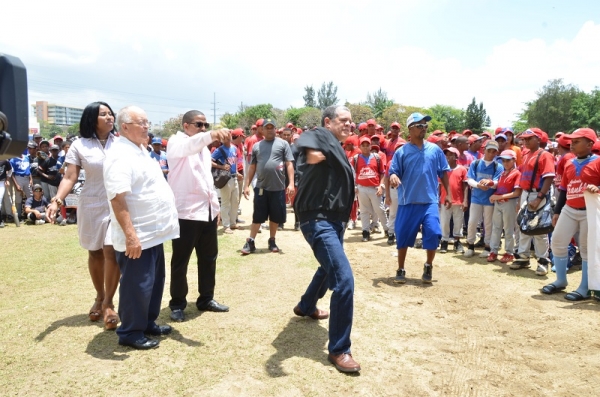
[(129, 169)]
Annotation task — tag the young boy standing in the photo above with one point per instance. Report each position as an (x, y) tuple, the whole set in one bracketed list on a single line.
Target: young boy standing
[(505, 208), (457, 179), (483, 178)]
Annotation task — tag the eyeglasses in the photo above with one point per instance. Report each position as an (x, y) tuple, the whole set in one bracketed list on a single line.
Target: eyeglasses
[(200, 124), (144, 124), (423, 126), (38, 191)]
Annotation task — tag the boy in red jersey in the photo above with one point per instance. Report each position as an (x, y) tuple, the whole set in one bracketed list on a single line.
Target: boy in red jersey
[(534, 193), (369, 185), (570, 215), (457, 179)]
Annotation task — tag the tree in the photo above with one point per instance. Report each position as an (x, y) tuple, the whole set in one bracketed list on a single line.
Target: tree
[(378, 102), (55, 130), (360, 113), (585, 110), (476, 118), (229, 120), (310, 118), (73, 129), (309, 98), (327, 95), (446, 118), (252, 113), (171, 126), (551, 111), (293, 115)]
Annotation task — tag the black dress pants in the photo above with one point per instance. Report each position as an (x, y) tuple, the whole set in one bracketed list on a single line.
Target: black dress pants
[(202, 237)]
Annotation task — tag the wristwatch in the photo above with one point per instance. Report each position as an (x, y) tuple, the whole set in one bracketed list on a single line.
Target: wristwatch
[(541, 195), (57, 200)]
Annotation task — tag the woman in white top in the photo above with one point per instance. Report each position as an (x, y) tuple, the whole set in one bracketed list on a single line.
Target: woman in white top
[(93, 213)]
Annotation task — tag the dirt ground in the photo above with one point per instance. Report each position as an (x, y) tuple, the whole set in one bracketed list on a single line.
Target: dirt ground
[(479, 330)]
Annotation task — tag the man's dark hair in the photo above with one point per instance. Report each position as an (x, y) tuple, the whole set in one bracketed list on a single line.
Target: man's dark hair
[(89, 119), (188, 117), (331, 112), (286, 129)]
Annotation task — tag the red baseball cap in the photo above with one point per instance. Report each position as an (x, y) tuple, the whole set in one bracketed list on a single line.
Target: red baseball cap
[(378, 127), (371, 122), (238, 132), (434, 138), (362, 126), (474, 138), (437, 132), (260, 122), (375, 147), (467, 132), (558, 135), (289, 125), (596, 148), (508, 155), (453, 150), (364, 138), (485, 133), (353, 139), (299, 130), (395, 124), (530, 132), (498, 130), (583, 133), (564, 141)]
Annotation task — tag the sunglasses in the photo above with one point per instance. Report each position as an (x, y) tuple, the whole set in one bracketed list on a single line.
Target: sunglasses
[(38, 190), (200, 124), (423, 126)]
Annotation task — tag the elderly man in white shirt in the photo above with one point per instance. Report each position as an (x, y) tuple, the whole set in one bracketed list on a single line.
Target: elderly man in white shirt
[(198, 207), (143, 216)]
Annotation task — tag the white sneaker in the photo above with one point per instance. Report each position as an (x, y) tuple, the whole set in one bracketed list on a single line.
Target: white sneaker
[(63, 222), (484, 254), (376, 229), (351, 225), (469, 253), (40, 222), (541, 270)]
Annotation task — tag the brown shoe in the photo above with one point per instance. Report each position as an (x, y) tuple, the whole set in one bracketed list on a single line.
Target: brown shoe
[(344, 362), (317, 315)]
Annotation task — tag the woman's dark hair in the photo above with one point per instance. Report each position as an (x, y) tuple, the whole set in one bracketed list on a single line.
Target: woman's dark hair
[(89, 119)]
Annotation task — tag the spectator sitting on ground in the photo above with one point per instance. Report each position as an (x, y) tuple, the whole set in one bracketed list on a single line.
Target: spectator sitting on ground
[(35, 206)]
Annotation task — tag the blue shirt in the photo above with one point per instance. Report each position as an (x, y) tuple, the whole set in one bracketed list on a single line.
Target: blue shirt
[(418, 170), (478, 171), (162, 160), (226, 155), (20, 166)]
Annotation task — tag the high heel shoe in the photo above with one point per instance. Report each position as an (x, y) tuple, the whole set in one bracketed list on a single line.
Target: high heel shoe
[(96, 311), (111, 318)]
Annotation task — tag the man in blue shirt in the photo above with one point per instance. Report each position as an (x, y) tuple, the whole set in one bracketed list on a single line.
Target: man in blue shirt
[(160, 156), (226, 157), (415, 170)]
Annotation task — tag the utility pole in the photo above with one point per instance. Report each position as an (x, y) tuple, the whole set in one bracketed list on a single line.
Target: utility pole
[(214, 108)]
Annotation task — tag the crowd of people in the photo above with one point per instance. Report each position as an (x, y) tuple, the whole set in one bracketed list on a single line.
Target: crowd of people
[(459, 191)]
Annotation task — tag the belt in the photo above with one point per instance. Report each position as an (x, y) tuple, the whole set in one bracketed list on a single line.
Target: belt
[(578, 209)]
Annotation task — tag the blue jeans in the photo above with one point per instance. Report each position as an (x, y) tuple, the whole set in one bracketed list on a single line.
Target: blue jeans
[(326, 240)]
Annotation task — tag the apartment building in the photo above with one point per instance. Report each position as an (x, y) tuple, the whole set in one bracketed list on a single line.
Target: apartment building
[(57, 114)]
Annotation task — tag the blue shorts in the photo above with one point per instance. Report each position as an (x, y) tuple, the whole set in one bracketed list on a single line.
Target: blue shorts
[(408, 220), (269, 205)]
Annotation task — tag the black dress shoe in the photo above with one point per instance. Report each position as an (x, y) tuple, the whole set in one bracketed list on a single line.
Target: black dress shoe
[(177, 315), (213, 306), (141, 344), (159, 330)]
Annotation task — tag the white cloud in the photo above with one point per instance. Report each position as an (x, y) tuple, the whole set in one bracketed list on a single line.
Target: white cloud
[(171, 57)]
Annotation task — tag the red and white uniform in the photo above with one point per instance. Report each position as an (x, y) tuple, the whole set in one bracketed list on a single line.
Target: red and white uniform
[(367, 171), (545, 169)]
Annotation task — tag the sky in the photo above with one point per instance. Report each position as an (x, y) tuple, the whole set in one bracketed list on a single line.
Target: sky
[(170, 57)]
